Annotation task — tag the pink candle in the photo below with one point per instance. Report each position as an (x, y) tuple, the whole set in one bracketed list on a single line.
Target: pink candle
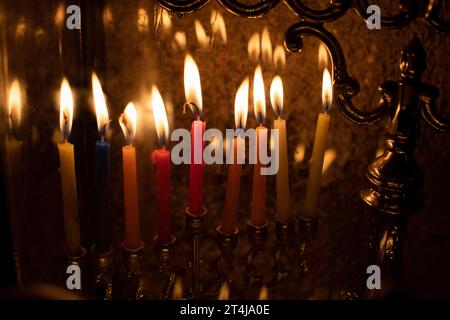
[(161, 159)]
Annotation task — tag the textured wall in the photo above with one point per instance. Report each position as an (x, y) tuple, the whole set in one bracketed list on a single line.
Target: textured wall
[(135, 60)]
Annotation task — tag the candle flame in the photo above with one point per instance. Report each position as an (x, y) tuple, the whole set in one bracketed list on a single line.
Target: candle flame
[(192, 86), (323, 56), (266, 46), (264, 293), (14, 105), (160, 117), (276, 95), (218, 26), (128, 122), (224, 293), (241, 105), (101, 110), (180, 40), (259, 96), (202, 38), (65, 109), (279, 57), (254, 47), (327, 90)]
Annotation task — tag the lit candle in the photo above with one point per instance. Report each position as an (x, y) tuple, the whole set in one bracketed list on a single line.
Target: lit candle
[(14, 160), (259, 180), (161, 159), (102, 172), (320, 139), (128, 123), (283, 213), (193, 93), (68, 177), (235, 168)]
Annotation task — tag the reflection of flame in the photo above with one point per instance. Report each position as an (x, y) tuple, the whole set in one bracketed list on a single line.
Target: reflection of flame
[(108, 19), (218, 26), (21, 28), (328, 159), (14, 105), (263, 294), (128, 122), (100, 105), (180, 40), (279, 57), (253, 47), (266, 46), (160, 116), (65, 109), (224, 293), (162, 20), (192, 86), (241, 105), (276, 95), (299, 154), (142, 20), (177, 293), (379, 152), (323, 56), (202, 37), (327, 90), (60, 15), (259, 97)]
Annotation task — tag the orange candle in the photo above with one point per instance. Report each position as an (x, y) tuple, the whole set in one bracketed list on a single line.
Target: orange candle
[(235, 168), (259, 180), (128, 122)]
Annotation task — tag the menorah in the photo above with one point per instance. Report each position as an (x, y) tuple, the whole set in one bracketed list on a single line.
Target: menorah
[(393, 178)]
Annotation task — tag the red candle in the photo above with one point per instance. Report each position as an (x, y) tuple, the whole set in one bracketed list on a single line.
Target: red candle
[(161, 159), (197, 166), (128, 122), (193, 93), (259, 180), (235, 168)]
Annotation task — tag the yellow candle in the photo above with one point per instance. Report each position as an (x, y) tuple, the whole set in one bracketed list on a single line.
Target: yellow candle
[(320, 139), (67, 169), (69, 191), (283, 213)]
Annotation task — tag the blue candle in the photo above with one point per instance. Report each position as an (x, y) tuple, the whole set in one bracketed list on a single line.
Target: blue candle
[(102, 219), (102, 196)]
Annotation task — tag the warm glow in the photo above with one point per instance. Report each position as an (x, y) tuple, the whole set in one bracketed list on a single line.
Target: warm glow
[(142, 20), (65, 109), (202, 38), (279, 57), (259, 96), (192, 86), (160, 116), (266, 46), (253, 47), (177, 293), (218, 26), (180, 40), (328, 159), (224, 293), (128, 122), (14, 105), (241, 105), (323, 56), (21, 27), (59, 15), (101, 110), (263, 294), (166, 21), (299, 154), (327, 90), (276, 95)]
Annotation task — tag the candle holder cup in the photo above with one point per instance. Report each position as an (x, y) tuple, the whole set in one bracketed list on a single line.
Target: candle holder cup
[(285, 233), (195, 224), (103, 264), (165, 253), (257, 236), (79, 260), (133, 262), (307, 229), (227, 243)]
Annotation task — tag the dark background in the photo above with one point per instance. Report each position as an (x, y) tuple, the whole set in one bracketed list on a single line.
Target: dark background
[(130, 58)]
